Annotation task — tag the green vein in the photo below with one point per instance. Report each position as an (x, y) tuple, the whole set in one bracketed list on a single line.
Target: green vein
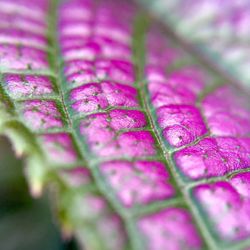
[(91, 164), (140, 49)]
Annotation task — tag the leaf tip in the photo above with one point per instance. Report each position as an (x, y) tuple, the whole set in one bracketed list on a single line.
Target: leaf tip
[(36, 189)]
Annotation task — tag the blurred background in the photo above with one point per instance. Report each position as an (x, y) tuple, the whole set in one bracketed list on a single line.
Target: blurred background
[(25, 223)]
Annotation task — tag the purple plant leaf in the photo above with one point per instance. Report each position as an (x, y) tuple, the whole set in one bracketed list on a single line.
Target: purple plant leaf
[(138, 137)]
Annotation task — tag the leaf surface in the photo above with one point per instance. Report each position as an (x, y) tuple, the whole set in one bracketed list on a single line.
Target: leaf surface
[(143, 143)]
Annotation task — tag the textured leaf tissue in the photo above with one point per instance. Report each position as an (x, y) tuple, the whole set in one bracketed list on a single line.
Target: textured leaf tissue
[(146, 144)]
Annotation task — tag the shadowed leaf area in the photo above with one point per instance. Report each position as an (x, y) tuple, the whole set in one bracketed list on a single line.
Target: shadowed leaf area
[(25, 223)]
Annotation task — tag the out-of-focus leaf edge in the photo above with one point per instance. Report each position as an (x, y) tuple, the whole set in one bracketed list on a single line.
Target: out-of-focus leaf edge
[(205, 54)]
